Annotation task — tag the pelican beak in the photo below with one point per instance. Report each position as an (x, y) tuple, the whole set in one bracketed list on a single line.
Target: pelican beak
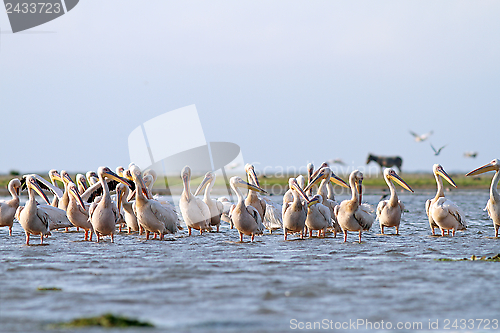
[(297, 188), (56, 176), (119, 197), (443, 174), (110, 174), (339, 181), (315, 173), (74, 193), (131, 195), (203, 184), (84, 184), (394, 176), (360, 190), (317, 176), (38, 190), (68, 178), (142, 185), (483, 169), (253, 187), (253, 176), (312, 202)]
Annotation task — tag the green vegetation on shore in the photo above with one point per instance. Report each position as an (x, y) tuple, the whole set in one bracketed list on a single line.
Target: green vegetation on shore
[(107, 320)]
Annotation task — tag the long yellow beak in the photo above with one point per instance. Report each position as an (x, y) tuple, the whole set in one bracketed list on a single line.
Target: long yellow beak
[(56, 176), (339, 181), (38, 190), (253, 176), (312, 202), (254, 187), (297, 188), (443, 174), (400, 181), (483, 169), (203, 184), (119, 196), (360, 190), (316, 179), (74, 192), (110, 174)]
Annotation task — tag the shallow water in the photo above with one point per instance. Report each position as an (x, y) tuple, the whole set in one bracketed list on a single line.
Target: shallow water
[(212, 283)]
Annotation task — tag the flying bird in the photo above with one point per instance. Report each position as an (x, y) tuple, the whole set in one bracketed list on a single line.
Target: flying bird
[(470, 154), (438, 151), (420, 138)]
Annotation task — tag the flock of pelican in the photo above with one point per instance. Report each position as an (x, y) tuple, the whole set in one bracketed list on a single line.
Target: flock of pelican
[(87, 203)]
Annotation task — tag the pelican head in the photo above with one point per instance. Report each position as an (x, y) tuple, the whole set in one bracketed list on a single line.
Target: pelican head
[(315, 199), (54, 175), (390, 174), (321, 167), (33, 184), (73, 190), (294, 185), (238, 182), (82, 181), (91, 177), (15, 184), (65, 177), (136, 174), (119, 171), (106, 172), (439, 171), (252, 176), (356, 178), (325, 173), (492, 166), (209, 177), (310, 170)]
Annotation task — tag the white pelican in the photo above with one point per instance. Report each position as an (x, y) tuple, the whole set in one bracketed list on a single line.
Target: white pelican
[(352, 215), (33, 220), (92, 178), (53, 176), (227, 207), (288, 196), (149, 177), (442, 212), (389, 211), (151, 215), (245, 218), (493, 204), (326, 176), (318, 216), (420, 138), (82, 184), (310, 171), (122, 193), (77, 214), (215, 206), (252, 197), (195, 212), (103, 214), (8, 208), (272, 218), (295, 212)]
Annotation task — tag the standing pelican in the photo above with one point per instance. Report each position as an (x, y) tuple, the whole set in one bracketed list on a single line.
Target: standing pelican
[(326, 176), (77, 214), (272, 218), (442, 212), (352, 215), (295, 212), (195, 212), (103, 214), (493, 204), (215, 206), (389, 211), (318, 216), (245, 218), (252, 197), (151, 215), (122, 192), (33, 220), (53, 176), (8, 208)]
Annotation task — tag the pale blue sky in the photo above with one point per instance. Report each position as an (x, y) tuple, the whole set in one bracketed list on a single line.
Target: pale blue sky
[(289, 81)]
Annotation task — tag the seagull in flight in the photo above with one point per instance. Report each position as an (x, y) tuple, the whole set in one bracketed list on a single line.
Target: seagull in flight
[(471, 154), (420, 138), (437, 152)]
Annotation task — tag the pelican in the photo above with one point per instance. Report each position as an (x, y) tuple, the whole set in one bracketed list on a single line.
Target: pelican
[(227, 207), (288, 196), (53, 176), (310, 171), (443, 213), (389, 211), (245, 218), (352, 215), (195, 212), (151, 215), (92, 177), (326, 176), (150, 177), (272, 218), (77, 214), (295, 212), (103, 214), (318, 216), (493, 204), (66, 179), (122, 193), (215, 206), (82, 184), (252, 197), (8, 208), (420, 138), (33, 220)]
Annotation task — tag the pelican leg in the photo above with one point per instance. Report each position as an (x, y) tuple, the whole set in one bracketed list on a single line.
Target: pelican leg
[(161, 235), (77, 228), (302, 234), (10, 231), (189, 231), (271, 231), (141, 230), (66, 229), (241, 236), (147, 234), (253, 235), (120, 227), (86, 235), (91, 232), (27, 238), (453, 232), (41, 239), (433, 233), (360, 232), (310, 233), (442, 232), (335, 233), (201, 231), (496, 230), (129, 229), (98, 237), (382, 228), (231, 223), (285, 232), (112, 239), (345, 236), (218, 227), (397, 230), (154, 235)]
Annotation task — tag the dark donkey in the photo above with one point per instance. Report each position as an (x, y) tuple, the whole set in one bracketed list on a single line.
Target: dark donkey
[(386, 161)]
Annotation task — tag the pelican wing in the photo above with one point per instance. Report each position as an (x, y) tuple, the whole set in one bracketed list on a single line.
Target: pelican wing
[(57, 217), (325, 211), (401, 206), (205, 211), (380, 207), (456, 213), (252, 211), (272, 216), (44, 217), (162, 215), (364, 216), (220, 206), (44, 185), (336, 212), (428, 204), (18, 212), (92, 209)]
